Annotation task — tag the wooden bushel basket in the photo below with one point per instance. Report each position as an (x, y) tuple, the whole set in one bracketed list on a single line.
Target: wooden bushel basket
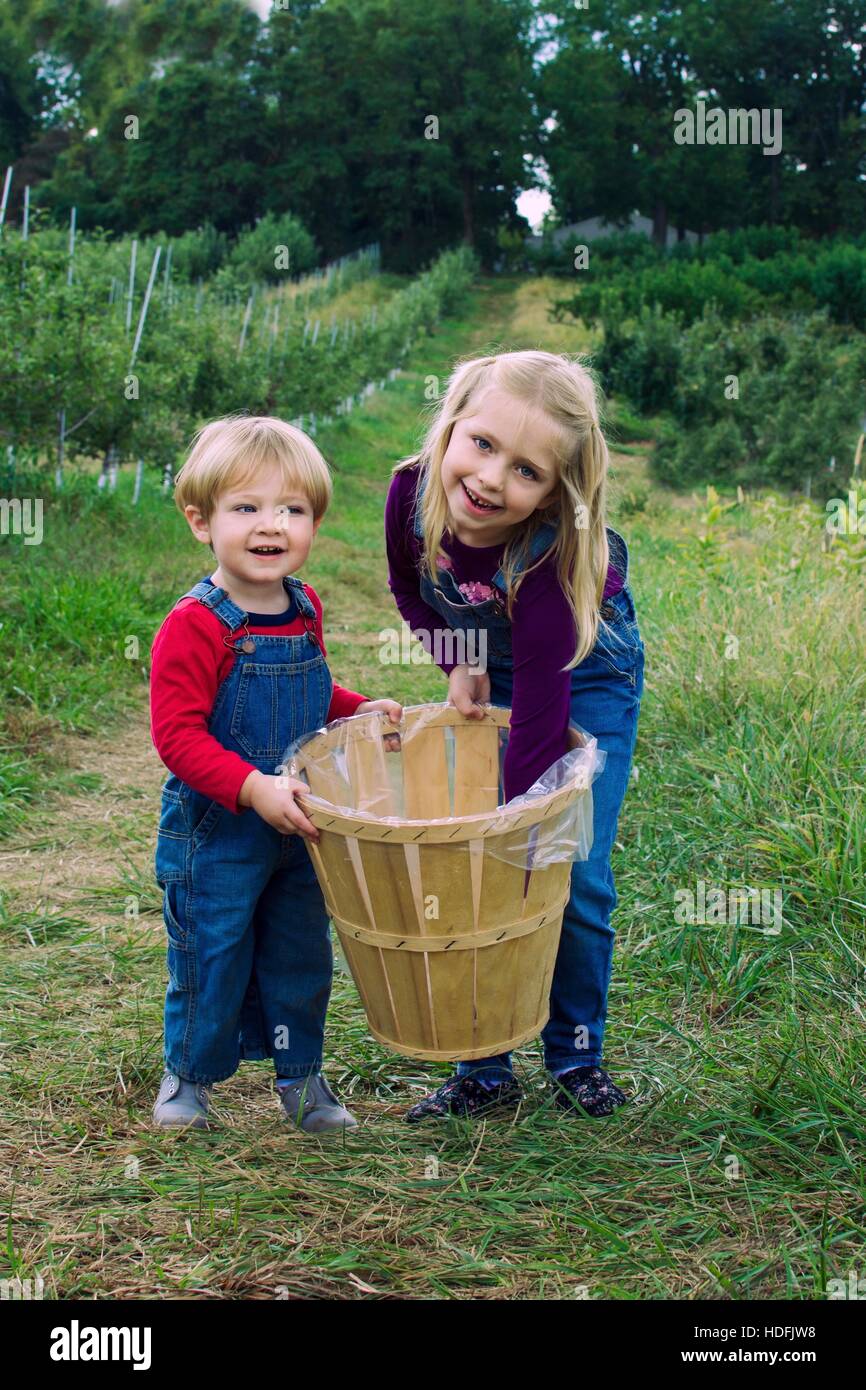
[(451, 948)]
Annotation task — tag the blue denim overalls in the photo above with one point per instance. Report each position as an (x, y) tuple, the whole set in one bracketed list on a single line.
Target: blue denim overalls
[(606, 690), (249, 949)]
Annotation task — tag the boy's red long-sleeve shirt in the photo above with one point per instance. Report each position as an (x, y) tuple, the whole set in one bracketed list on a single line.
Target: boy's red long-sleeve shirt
[(189, 663)]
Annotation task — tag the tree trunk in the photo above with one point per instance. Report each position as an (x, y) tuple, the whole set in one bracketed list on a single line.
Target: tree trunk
[(468, 212), (775, 188), (660, 223)]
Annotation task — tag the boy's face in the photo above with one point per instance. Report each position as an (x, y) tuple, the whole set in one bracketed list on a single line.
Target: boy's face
[(503, 455), (260, 533)]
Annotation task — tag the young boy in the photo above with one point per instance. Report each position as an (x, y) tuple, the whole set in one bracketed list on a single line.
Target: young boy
[(238, 673)]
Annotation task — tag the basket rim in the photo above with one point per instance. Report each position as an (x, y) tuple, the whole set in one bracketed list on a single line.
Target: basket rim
[(480, 824)]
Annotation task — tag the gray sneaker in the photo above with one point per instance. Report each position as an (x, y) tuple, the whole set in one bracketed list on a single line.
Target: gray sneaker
[(181, 1103), (310, 1103)]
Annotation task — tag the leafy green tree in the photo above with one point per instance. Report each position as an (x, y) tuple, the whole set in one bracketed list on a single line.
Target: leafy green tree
[(22, 92), (196, 155), (364, 86), (610, 93), (807, 60)]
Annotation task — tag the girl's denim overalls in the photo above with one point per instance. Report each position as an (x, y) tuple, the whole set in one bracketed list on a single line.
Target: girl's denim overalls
[(606, 690), (249, 948)]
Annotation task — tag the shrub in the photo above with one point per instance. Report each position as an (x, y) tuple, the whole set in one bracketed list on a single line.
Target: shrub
[(640, 358), (839, 282), (199, 254), (253, 256), (800, 399)]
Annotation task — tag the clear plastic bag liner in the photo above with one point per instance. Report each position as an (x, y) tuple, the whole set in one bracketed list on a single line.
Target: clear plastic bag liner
[(424, 772)]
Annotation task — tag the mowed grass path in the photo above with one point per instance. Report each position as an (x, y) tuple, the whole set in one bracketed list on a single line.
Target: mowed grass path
[(736, 1171)]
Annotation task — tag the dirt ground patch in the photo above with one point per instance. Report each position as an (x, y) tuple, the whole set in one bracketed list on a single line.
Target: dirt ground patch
[(79, 844)]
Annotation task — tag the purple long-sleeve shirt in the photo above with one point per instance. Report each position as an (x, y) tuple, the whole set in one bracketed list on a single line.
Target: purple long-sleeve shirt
[(543, 632)]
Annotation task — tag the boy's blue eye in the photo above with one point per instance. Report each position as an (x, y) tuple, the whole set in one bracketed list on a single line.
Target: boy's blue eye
[(241, 506)]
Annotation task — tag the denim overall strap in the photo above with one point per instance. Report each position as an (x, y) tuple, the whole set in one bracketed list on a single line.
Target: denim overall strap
[(218, 601)]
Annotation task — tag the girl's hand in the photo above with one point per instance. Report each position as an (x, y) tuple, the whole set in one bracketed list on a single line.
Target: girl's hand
[(468, 690), (390, 707), (274, 800)]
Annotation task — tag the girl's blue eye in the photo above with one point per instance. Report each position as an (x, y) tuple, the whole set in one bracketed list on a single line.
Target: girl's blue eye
[(479, 440), (531, 471)]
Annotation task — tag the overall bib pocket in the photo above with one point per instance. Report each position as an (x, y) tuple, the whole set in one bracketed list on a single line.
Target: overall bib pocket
[(486, 618), (277, 702)]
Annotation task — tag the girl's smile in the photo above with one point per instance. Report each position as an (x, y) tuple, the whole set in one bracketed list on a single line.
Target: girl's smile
[(500, 466), (476, 502)]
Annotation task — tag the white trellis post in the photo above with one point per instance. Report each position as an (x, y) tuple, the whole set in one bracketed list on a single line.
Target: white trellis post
[(136, 491), (71, 245), (246, 323), (25, 222), (143, 315), (61, 447), (130, 293), (7, 183)]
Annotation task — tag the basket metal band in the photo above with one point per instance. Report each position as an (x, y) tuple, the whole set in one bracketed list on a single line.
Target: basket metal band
[(456, 941)]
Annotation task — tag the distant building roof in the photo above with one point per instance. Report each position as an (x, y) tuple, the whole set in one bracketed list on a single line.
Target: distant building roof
[(592, 227)]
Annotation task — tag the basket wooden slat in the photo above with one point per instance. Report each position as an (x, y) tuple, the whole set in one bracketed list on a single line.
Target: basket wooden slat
[(425, 778), (476, 767)]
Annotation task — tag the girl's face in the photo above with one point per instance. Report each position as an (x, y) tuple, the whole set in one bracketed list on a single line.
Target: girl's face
[(502, 455)]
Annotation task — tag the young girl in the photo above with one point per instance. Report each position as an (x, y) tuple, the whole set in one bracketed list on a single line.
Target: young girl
[(508, 494), (238, 673)]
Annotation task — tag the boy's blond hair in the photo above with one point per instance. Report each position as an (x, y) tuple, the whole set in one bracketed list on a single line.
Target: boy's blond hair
[(563, 388), (229, 452)]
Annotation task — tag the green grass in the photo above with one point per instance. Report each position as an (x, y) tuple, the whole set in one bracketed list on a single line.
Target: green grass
[(736, 1172)]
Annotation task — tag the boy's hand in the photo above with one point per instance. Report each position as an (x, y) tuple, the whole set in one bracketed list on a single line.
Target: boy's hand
[(468, 690), (390, 707), (274, 800)]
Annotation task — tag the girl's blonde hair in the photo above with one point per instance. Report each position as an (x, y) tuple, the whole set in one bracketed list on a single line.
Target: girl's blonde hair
[(231, 451), (564, 389)]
